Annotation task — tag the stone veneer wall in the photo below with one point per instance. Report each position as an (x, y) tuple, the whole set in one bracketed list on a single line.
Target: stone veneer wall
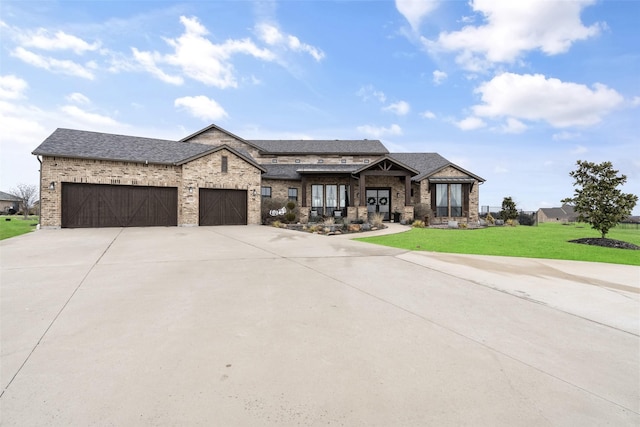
[(206, 172), (203, 172), (62, 169), (449, 171), (216, 137)]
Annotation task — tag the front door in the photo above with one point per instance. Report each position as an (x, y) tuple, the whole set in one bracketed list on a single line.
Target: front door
[(379, 201)]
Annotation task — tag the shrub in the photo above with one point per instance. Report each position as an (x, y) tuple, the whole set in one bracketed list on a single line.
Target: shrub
[(511, 222), (377, 220), (329, 221), (290, 216), (291, 205), (490, 219), (269, 204), (421, 211), (418, 224), (277, 224), (462, 225)]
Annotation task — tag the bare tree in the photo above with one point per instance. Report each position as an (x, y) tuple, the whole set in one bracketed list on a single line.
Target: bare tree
[(28, 195)]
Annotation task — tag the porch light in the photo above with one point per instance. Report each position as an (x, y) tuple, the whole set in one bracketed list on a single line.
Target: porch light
[(52, 185), (398, 195), (253, 193), (190, 189)]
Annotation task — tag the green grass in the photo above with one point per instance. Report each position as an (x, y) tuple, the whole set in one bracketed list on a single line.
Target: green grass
[(544, 241), (17, 226)]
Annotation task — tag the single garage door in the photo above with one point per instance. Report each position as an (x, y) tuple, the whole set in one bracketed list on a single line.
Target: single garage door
[(223, 207), (98, 205)]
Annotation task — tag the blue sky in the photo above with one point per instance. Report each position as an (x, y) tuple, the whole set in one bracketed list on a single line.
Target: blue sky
[(515, 92)]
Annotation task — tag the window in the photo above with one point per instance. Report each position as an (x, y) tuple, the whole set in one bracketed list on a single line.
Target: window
[(316, 196), (293, 194), (325, 199), (225, 164), (274, 160), (343, 160), (450, 199), (297, 160), (265, 192), (320, 160)]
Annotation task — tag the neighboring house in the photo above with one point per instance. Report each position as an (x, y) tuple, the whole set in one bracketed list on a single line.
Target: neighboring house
[(561, 214), (214, 177), (9, 204)]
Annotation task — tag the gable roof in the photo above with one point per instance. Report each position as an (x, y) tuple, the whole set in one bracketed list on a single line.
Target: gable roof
[(566, 211), (428, 164), (104, 146), (219, 129), (385, 159), (350, 147), (8, 197)]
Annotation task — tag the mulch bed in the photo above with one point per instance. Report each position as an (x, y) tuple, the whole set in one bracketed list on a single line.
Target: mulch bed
[(607, 243)]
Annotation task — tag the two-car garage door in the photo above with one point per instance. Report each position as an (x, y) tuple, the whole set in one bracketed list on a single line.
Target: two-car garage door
[(99, 205)]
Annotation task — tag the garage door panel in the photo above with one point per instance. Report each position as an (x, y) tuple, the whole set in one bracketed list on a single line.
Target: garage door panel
[(97, 205), (223, 207)]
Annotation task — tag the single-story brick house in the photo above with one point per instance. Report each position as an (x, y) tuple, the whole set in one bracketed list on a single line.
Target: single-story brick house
[(565, 213), (9, 203), (213, 177)]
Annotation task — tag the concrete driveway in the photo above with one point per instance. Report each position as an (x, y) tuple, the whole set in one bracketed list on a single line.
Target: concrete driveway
[(261, 326)]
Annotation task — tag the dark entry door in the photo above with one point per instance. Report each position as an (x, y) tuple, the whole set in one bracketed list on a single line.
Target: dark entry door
[(223, 207), (99, 205), (379, 201)]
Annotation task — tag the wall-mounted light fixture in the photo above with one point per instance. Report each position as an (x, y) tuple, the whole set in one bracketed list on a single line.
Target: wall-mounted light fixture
[(190, 189), (254, 193), (398, 195), (52, 185)]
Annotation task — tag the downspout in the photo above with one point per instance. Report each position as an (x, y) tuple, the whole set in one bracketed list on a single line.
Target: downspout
[(40, 194)]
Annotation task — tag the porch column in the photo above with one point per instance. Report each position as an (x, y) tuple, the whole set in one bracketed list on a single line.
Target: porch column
[(363, 190), (407, 190), (303, 202)]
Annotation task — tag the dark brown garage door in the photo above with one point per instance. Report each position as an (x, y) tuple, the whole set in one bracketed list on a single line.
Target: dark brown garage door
[(223, 207), (97, 205)]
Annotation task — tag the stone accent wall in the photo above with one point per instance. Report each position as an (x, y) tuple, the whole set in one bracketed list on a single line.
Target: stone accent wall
[(280, 188), (61, 169), (314, 159), (206, 172), (449, 171)]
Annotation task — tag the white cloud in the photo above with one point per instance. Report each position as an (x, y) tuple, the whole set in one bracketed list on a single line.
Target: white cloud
[(147, 62), (564, 135), (513, 126), (635, 101), (534, 97), (77, 98), (198, 58), (401, 108), (470, 123), (439, 76), (428, 115), (201, 107), (12, 87), (62, 66), (380, 131), (20, 125), (368, 92), (579, 149), (43, 39), (512, 28), (272, 36), (91, 120), (414, 11)]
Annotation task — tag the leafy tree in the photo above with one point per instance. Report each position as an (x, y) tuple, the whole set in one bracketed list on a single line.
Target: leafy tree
[(28, 195), (597, 198), (509, 210)]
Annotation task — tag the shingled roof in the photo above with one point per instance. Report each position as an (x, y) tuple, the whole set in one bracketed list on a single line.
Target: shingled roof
[(428, 164), (351, 147), (295, 171), (103, 146)]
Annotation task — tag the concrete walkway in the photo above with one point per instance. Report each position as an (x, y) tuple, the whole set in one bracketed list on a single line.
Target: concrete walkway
[(263, 326)]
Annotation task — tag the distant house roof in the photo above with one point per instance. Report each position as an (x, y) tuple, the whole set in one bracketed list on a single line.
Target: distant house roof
[(350, 147), (6, 197), (564, 212), (103, 146)]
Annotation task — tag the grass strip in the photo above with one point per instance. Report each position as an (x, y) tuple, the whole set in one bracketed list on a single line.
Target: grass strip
[(548, 240)]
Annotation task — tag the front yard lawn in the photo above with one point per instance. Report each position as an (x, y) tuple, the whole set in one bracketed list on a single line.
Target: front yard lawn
[(16, 226), (544, 241)]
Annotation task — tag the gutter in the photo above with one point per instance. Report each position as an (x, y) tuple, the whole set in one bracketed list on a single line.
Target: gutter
[(40, 194)]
